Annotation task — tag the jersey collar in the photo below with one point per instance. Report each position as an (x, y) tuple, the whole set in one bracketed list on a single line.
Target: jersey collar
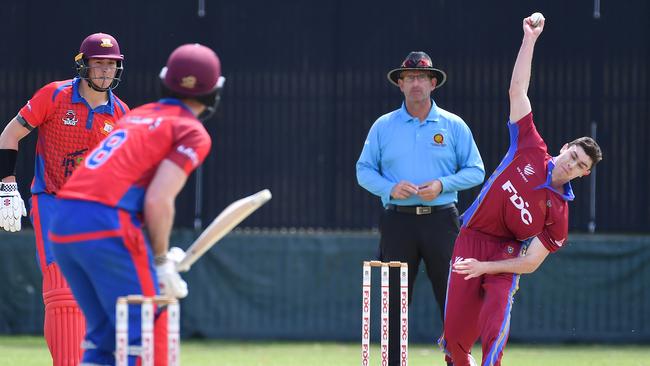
[(567, 195), (433, 115), (177, 102), (77, 98)]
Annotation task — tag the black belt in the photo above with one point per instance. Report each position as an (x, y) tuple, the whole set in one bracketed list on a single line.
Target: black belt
[(419, 210)]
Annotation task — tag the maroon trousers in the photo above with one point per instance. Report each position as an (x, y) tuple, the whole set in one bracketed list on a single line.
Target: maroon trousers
[(479, 307)]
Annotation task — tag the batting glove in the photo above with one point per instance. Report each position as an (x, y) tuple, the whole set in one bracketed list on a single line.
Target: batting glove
[(12, 207), (170, 282)]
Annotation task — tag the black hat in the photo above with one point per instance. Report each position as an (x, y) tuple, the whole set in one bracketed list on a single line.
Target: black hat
[(417, 61)]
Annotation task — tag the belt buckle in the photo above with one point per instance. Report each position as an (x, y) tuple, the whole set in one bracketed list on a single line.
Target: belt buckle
[(423, 210)]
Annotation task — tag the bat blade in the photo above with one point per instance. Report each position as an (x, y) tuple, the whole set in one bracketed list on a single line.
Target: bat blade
[(230, 217)]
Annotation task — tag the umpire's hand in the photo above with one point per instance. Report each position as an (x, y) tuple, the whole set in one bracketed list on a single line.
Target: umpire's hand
[(403, 190), (430, 190)]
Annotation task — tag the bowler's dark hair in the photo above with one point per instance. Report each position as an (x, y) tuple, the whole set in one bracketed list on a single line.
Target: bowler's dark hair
[(591, 148)]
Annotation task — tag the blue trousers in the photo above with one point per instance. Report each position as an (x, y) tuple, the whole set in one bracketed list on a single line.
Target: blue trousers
[(103, 254)]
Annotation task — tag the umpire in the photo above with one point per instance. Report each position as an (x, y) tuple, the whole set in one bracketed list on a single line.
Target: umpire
[(417, 158)]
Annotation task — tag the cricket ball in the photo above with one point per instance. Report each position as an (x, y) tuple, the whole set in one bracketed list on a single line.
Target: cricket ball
[(536, 19)]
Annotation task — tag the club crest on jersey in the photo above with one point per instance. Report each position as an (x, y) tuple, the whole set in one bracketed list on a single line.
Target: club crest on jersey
[(70, 118), (438, 140), (106, 42), (528, 169), (108, 128)]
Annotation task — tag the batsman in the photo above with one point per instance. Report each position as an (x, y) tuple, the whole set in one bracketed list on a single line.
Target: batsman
[(128, 184), (520, 216), (71, 117)]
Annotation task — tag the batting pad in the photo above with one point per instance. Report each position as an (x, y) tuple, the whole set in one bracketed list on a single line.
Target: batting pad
[(65, 325)]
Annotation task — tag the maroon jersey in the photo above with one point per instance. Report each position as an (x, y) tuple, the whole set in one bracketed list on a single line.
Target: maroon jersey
[(517, 201), (67, 129), (119, 170)]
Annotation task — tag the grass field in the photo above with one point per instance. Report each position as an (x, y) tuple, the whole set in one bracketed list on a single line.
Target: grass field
[(31, 351)]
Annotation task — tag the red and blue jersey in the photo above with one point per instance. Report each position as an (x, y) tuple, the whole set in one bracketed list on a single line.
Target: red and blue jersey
[(517, 201), (67, 129), (119, 170)]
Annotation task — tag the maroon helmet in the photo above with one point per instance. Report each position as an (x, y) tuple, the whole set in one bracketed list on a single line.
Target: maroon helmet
[(100, 46), (193, 71)]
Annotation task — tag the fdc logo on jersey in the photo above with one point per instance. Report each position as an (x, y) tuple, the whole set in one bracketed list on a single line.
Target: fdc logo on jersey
[(518, 202)]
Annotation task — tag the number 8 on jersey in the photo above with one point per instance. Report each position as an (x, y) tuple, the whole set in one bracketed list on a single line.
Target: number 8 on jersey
[(105, 149)]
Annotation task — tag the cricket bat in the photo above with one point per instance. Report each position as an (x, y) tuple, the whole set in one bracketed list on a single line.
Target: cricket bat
[(230, 217)]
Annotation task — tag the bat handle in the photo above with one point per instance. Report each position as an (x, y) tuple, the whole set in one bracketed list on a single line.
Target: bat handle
[(183, 267)]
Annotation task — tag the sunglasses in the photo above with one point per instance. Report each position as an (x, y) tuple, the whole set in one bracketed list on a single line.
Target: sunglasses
[(419, 77)]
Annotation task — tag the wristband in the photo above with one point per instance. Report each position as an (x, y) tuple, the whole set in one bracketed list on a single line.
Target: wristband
[(160, 259), (8, 162)]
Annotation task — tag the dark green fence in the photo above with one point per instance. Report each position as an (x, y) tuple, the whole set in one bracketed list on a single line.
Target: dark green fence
[(307, 286)]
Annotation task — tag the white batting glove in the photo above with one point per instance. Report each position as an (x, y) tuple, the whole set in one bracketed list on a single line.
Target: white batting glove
[(170, 282), (176, 254), (12, 207)]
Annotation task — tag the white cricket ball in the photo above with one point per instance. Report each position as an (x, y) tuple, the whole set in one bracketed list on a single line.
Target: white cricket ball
[(535, 19)]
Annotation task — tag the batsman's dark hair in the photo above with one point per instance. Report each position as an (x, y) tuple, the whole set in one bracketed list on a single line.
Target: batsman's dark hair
[(591, 148)]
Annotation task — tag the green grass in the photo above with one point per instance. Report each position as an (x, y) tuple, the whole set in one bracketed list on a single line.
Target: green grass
[(28, 351)]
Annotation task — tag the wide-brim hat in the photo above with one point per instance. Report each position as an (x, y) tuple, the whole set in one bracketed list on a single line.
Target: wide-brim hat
[(417, 61)]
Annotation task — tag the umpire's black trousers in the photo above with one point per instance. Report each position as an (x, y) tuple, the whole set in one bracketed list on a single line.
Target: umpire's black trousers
[(409, 237)]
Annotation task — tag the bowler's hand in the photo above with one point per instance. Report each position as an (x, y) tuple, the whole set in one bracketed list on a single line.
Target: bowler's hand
[(430, 190), (170, 282), (403, 190), (529, 30), (470, 267)]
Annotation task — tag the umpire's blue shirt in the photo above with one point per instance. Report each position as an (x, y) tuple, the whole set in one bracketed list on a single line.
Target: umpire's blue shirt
[(401, 147)]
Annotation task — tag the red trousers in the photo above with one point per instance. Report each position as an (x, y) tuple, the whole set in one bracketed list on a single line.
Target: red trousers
[(479, 307)]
